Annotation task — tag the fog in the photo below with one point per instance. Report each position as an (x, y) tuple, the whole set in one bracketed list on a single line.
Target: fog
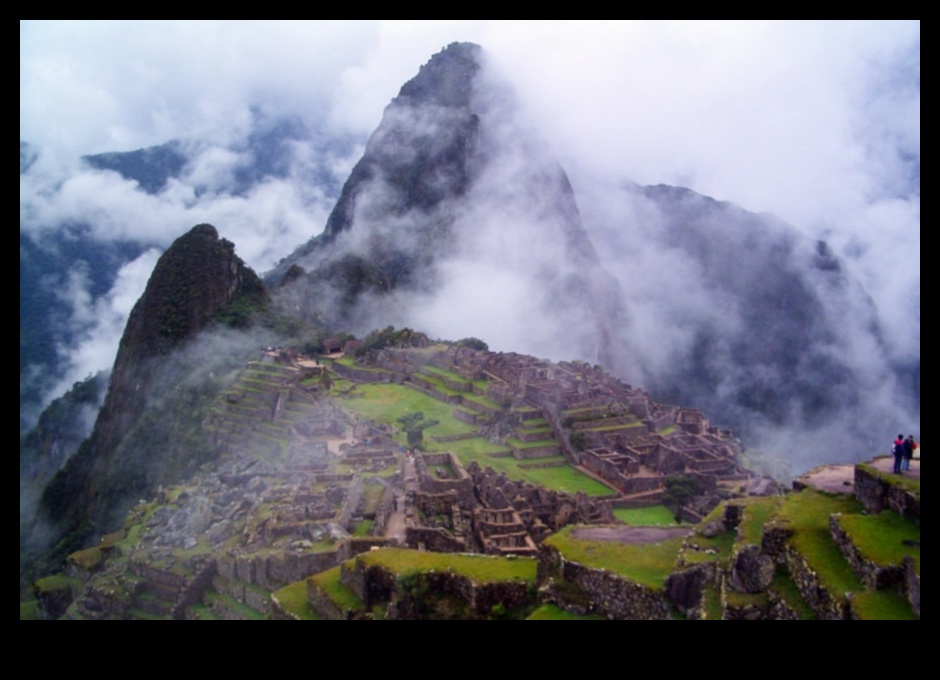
[(816, 123)]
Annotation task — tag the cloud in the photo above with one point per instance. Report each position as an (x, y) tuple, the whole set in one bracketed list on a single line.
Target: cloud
[(815, 122), (98, 323)]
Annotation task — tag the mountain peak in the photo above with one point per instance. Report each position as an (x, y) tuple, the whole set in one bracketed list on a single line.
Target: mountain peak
[(446, 79), (198, 279)]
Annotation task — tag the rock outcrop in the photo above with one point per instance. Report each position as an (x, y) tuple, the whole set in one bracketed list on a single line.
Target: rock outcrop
[(198, 281)]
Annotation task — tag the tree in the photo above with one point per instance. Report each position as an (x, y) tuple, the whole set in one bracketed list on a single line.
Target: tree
[(680, 489), (473, 343), (414, 425)]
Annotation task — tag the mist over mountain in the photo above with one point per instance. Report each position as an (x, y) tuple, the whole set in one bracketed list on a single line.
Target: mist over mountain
[(61, 429), (91, 231), (459, 220), (754, 322), (147, 431)]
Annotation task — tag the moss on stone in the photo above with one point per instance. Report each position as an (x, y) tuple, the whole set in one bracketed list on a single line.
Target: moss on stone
[(885, 539), (478, 568), (645, 563), (882, 605), (550, 612), (293, 600)]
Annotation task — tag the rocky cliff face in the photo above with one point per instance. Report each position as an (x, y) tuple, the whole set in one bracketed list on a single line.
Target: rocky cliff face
[(61, 429), (743, 316), (459, 220), (456, 204), (197, 280)]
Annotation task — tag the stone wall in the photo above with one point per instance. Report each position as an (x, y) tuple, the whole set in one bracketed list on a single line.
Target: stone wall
[(273, 571), (874, 576), (462, 487), (878, 490), (434, 540), (828, 606), (363, 375), (912, 585), (774, 541), (350, 504), (376, 584), (385, 510), (609, 594), (685, 588)]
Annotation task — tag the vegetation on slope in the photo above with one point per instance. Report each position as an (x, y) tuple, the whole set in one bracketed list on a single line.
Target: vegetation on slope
[(807, 514), (645, 563)]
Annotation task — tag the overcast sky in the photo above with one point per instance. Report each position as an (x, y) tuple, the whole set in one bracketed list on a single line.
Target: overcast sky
[(816, 122)]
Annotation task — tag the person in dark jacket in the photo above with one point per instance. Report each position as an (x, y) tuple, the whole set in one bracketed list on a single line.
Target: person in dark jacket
[(908, 452), (898, 451)]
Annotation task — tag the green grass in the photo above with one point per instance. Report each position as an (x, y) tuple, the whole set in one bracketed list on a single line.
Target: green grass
[(882, 605), (711, 601), (386, 403), (738, 600), (439, 385), (241, 610), (455, 377), (550, 612), (756, 514), (722, 543), (89, 558), (51, 584), (485, 401), (29, 611), (328, 582), (372, 495), (364, 528), (787, 591), (141, 615), (516, 444), (607, 428), (293, 599), (565, 478), (478, 568), (880, 537), (653, 516), (201, 612), (645, 563), (807, 514)]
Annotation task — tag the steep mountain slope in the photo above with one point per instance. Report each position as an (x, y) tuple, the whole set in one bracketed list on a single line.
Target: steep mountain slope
[(459, 220), (455, 205), (133, 448), (61, 429), (745, 317)]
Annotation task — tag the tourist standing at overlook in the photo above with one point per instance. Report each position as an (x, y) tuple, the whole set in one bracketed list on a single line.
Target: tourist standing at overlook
[(898, 451), (909, 445)]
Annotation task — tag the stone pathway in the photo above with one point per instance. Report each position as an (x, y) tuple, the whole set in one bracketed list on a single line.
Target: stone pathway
[(841, 478), (395, 528)]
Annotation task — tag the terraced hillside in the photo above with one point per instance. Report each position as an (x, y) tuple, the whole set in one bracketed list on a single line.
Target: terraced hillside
[(316, 494), (806, 555)]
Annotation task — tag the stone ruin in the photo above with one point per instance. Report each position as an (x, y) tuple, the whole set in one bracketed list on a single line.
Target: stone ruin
[(457, 509), (599, 423)]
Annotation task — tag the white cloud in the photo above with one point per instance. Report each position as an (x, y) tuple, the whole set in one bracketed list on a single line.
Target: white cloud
[(816, 122)]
